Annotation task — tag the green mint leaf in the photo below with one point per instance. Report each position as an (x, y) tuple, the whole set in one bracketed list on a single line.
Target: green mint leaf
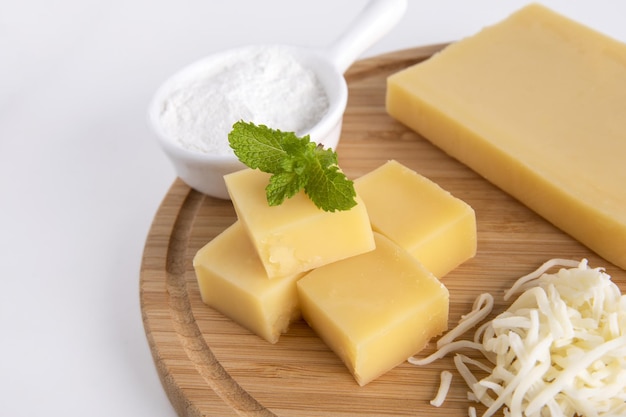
[(264, 148), (282, 186), (329, 188), (296, 164), (326, 157)]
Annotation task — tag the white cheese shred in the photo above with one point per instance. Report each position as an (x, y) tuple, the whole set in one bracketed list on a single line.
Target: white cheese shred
[(450, 347), (482, 307), (539, 272), (444, 387), (558, 350)]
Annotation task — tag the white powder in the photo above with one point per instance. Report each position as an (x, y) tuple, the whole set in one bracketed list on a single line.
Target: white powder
[(265, 85)]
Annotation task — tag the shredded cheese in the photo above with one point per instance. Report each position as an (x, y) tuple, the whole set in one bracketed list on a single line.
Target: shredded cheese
[(444, 387), (558, 350), (482, 307)]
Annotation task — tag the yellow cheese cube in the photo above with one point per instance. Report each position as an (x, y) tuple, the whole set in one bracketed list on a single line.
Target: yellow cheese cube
[(535, 104), (233, 281), (374, 310), (296, 236), (417, 214)]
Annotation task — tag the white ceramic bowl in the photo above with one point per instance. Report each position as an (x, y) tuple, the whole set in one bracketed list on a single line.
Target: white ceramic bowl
[(204, 171)]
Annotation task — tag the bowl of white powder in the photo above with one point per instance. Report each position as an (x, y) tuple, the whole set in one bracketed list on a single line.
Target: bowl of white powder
[(282, 87)]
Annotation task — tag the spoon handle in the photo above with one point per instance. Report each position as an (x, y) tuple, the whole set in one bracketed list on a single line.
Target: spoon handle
[(374, 21)]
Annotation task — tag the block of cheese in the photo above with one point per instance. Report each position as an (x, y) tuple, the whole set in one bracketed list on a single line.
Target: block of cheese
[(374, 310), (420, 216), (232, 280), (535, 104), (296, 236)]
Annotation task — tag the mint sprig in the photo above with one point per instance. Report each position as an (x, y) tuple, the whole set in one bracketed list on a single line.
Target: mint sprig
[(295, 163)]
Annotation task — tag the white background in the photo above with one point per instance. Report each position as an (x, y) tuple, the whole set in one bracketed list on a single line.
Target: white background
[(81, 176)]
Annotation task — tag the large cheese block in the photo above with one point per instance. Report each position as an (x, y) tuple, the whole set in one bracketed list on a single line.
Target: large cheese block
[(374, 310), (296, 236), (420, 216), (535, 104), (232, 280)]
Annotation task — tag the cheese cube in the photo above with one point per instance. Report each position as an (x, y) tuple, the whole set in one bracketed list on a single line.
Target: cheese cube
[(374, 310), (296, 236), (535, 104), (233, 281), (420, 216)]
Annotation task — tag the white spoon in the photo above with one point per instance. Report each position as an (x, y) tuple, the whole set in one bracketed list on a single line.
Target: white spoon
[(204, 172)]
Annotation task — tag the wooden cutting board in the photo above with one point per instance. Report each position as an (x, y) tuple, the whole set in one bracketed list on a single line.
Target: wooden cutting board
[(210, 366)]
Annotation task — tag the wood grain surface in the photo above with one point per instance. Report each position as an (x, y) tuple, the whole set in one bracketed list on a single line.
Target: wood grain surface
[(210, 366)]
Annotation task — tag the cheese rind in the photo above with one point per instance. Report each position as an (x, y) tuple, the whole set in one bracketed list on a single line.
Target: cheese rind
[(420, 216), (232, 280), (535, 105), (296, 236), (374, 310)]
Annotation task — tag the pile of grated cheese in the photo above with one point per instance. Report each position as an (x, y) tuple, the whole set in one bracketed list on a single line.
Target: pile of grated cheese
[(558, 350)]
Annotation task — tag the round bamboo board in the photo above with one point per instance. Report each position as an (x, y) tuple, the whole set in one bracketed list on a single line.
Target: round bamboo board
[(210, 366)]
